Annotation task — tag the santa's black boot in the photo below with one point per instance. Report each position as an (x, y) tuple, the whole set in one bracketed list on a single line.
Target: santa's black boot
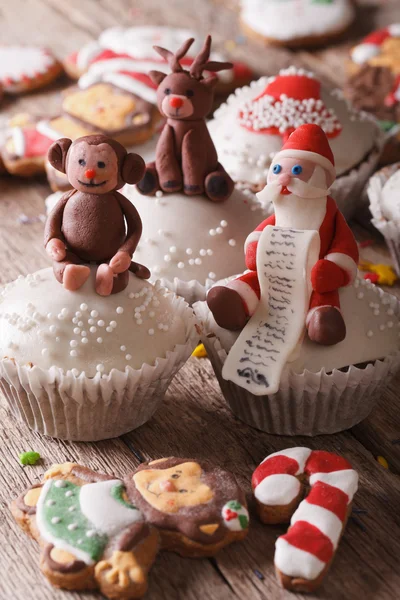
[(227, 308), (326, 326)]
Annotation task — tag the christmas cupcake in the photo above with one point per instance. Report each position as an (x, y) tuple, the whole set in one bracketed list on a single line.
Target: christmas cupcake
[(384, 202), (296, 23), (256, 121), (88, 348), (194, 222), (299, 345), (374, 81)]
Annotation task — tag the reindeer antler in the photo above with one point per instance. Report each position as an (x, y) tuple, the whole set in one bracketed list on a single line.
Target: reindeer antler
[(201, 62), (174, 58)]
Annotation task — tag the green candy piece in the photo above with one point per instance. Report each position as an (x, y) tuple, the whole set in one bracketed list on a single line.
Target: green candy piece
[(29, 458), (65, 521), (117, 493)]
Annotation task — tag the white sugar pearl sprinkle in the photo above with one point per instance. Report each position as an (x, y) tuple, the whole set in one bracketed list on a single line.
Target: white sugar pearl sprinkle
[(83, 306), (113, 324), (77, 330), (93, 329), (128, 357), (55, 520), (100, 323), (73, 343), (91, 321), (232, 242), (94, 313), (73, 353), (109, 329), (52, 328), (100, 368), (45, 352), (123, 348), (181, 265), (84, 340), (99, 340), (151, 332), (119, 310)]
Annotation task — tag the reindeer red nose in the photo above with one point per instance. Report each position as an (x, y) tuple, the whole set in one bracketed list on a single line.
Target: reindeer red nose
[(90, 173), (176, 102)]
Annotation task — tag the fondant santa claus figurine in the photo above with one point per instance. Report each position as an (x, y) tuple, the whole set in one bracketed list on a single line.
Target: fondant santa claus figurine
[(298, 184)]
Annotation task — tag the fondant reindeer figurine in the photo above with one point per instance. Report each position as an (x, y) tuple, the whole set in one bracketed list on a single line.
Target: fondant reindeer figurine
[(186, 158)]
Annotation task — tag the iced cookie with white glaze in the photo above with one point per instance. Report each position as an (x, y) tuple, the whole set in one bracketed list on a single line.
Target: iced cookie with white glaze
[(196, 507), (295, 23), (91, 536), (119, 51), (304, 554), (256, 121), (26, 68)]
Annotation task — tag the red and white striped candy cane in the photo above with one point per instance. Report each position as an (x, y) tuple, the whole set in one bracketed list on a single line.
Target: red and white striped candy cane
[(316, 525)]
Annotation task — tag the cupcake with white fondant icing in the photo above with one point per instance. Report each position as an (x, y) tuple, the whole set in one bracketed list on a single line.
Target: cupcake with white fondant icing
[(299, 344), (384, 202), (80, 366), (256, 121)]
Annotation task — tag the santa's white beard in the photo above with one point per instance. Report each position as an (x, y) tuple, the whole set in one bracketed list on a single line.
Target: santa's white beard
[(304, 208)]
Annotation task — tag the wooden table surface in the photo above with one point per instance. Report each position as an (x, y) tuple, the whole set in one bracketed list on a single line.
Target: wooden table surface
[(194, 419)]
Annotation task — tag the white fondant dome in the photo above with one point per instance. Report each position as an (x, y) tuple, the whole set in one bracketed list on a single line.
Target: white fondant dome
[(390, 199), (44, 324)]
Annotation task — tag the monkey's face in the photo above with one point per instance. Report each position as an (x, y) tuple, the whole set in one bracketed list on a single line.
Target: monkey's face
[(92, 169)]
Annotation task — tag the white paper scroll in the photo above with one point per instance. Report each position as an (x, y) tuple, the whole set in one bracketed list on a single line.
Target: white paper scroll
[(285, 258)]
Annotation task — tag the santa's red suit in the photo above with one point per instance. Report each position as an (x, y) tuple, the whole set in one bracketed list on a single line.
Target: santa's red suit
[(338, 257)]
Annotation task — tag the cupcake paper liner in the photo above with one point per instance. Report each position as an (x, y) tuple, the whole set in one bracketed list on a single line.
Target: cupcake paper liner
[(78, 408), (389, 229), (307, 403)]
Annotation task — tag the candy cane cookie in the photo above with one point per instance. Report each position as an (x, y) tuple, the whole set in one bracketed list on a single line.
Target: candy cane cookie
[(304, 553)]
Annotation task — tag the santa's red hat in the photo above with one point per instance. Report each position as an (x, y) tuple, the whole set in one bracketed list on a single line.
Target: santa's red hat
[(309, 142)]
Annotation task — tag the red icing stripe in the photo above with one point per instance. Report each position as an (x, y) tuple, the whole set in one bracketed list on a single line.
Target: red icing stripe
[(36, 144), (377, 37), (271, 466), (140, 77), (72, 58), (329, 497), (306, 537), (109, 54), (321, 461)]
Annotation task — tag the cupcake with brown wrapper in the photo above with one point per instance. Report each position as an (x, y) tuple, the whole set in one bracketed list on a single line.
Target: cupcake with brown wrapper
[(314, 342)]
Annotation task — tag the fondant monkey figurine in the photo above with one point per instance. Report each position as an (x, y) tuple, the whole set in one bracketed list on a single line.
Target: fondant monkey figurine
[(93, 223), (186, 158)]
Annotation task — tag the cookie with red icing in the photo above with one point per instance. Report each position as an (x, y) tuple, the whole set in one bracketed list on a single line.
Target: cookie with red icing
[(126, 54), (295, 23), (91, 536), (305, 552), (374, 74), (26, 68), (196, 507)]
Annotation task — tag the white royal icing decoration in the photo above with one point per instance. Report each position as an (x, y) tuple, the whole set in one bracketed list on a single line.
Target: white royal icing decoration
[(295, 562), (105, 512), (298, 453), (346, 480), (269, 340), (293, 19), (364, 52), (277, 490), (17, 62), (234, 524)]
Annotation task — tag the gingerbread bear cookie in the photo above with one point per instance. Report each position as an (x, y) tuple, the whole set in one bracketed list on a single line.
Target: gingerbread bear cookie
[(304, 553), (196, 507), (91, 536), (295, 23), (26, 68)]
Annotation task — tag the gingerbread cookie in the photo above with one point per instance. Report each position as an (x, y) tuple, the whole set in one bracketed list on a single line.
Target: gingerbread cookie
[(26, 68), (296, 23), (304, 554), (126, 54), (374, 74), (91, 536), (196, 507)]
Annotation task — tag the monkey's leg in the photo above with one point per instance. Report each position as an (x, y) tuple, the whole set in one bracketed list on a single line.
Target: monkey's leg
[(149, 184), (71, 272), (218, 184)]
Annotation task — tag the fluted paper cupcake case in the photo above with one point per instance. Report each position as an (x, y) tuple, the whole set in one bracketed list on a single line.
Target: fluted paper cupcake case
[(307, 403), (389, 229), (79, 408)]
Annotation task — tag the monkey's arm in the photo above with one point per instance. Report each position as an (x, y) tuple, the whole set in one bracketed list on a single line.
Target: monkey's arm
[(53, 228), (122, 259)]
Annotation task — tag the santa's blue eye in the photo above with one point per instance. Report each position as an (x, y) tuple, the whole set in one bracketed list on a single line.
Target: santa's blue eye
[(276, 169), (297, 169)]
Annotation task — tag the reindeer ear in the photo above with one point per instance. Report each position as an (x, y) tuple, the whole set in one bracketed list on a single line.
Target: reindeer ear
[(132, 168), (210, 82), (57, 154), (157, 76)]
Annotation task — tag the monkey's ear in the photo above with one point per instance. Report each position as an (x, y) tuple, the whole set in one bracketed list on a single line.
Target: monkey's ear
[(157, 76), (132, 168), (57, 154), (210, 82)]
